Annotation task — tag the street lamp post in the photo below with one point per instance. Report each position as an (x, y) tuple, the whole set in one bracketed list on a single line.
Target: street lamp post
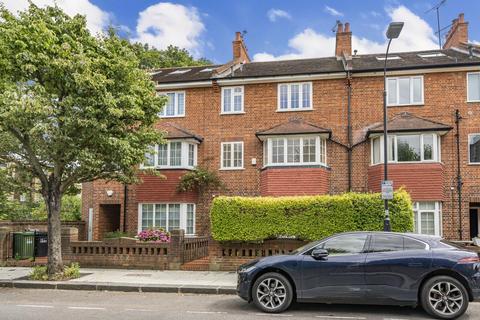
[(393, 32)]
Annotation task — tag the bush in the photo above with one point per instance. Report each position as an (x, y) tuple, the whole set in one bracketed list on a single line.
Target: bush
[(199, 180), (69, 272), (306, 217)]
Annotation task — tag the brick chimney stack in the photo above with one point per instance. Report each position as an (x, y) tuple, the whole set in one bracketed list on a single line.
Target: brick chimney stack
[(343, 43), (458, 33), (240, 52)]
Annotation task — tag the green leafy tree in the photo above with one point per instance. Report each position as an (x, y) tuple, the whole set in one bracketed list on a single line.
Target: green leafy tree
[(73, 107), (151, 58)]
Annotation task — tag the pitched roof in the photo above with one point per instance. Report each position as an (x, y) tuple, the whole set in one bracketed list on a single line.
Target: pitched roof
[(407, 122), (360, 63), (293, 126), (174, 131)]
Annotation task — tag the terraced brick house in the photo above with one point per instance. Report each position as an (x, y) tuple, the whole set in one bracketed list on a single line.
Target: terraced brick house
[(312, 126)]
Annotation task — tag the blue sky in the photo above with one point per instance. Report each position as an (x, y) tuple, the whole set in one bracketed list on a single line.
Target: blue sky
[(275, 29)]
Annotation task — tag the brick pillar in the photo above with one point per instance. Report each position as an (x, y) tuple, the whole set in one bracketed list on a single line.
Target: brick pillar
[(175, 255), (4, 234), (68, 235)]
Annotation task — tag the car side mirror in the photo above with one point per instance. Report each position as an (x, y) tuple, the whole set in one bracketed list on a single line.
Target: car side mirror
[(319, 254)]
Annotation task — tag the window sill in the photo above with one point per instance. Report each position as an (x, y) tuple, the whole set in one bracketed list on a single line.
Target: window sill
[(294, 110), (167, 168), (231, 113), (473, 101), (407, 162), (182, 116), (231, 169), (406, 105), (474, 163), (294, 166)]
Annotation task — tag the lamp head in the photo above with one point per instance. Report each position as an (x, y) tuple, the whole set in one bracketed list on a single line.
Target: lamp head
[(394, 29)]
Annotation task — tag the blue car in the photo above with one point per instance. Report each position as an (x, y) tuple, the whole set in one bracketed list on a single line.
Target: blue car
[(367, 268)]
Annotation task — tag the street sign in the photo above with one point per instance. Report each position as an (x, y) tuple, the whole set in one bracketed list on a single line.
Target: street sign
[(387, 190)]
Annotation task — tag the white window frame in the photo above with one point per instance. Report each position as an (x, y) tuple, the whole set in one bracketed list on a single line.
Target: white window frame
[(232, 143), (289, 93), (162, 114), (184, 156), (411, 103), (436, 148), (437, 216), (319, 140), (468, 90), (232, 111), (183, 215), (468, 142)]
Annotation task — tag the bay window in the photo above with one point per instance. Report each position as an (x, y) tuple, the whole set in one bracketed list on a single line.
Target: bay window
[(407, 148), (427, 218), (167, 216), (175, 106), (173, 154), (404, 91), (295, 150), (294, 96)]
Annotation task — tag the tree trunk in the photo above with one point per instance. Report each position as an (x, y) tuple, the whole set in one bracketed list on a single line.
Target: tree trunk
[(53, 200)]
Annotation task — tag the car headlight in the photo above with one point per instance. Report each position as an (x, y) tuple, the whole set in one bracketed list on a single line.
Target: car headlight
[(246, 269)]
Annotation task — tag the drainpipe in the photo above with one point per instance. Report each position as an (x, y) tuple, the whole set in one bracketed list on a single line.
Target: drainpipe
[(458, 117), (125, 195), (349, 129)]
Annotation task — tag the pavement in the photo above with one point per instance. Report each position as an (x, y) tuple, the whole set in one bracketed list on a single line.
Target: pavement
[(34, 304), (204, 282)]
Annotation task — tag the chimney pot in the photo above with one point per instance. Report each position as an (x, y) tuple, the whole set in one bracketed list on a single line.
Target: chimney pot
[(347, 27), (340, 27)]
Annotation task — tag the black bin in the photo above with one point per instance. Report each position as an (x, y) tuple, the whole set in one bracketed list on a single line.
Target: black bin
[(41, 244)]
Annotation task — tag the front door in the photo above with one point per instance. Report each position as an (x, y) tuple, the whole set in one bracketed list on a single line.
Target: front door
[(474, 222), (338, 277)]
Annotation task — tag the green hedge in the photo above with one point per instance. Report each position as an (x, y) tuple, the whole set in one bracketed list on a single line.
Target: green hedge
[(307, 217)]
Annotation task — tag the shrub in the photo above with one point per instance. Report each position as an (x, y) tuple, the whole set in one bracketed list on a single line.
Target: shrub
[(151, 235), (200, 179), (306, 217), (69, 272)]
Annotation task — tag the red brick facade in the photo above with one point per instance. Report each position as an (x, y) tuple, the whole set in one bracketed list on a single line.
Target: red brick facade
[(445, 90), (294, 181)]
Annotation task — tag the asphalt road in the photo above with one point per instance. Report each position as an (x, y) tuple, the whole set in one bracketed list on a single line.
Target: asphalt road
[(70, 305)]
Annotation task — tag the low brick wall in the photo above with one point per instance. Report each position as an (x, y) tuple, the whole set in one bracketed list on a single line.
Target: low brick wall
[(130, 253), (228, 256), (17, 226)]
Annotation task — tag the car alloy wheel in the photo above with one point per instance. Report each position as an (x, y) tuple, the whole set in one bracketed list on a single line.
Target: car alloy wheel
[(271, 293), (446, 298)]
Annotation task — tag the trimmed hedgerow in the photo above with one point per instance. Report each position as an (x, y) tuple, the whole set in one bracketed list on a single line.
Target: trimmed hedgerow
[(306, 217)]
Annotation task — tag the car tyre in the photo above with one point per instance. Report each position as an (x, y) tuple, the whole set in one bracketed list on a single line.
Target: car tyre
[(444, 297), (272, 293)]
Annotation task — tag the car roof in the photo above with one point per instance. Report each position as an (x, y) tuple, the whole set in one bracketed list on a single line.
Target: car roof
[(422, 237)]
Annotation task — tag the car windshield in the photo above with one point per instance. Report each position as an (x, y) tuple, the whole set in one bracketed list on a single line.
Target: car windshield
[(306, 247)]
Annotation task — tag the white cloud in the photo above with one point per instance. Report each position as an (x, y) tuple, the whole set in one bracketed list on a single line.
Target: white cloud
[(333, 12), (165, 24), (97, 19), (274, 14), (416, 35)]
